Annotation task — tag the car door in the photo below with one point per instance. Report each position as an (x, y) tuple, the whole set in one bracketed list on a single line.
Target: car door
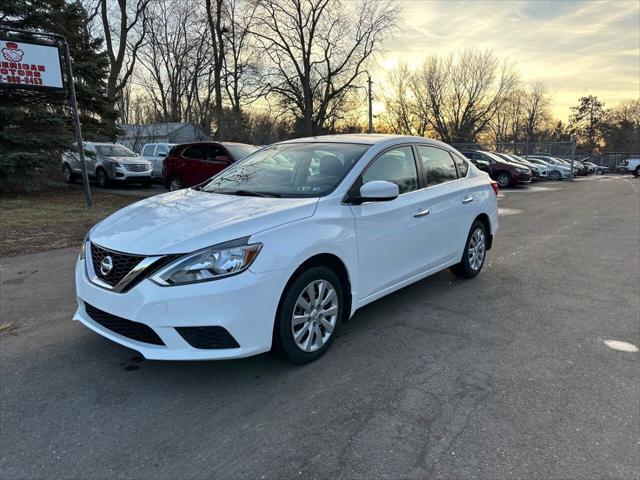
[(193, 170), (90, 158), (450, 200), (392, 236), (217, 160)]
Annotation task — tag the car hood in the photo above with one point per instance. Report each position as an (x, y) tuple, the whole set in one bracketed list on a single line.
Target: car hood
[(188, 220)]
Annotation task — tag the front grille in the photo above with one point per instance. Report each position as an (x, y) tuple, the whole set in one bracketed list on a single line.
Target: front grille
[(122, 326), (122, 264), (136, 167), (208, 337)]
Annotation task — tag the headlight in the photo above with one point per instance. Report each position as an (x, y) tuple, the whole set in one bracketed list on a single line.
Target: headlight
[(116, 164), (523, 170), (212, 263), (83, 248)]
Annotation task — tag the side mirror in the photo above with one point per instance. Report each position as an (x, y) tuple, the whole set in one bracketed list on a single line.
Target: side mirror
[(483, 165), (378, 191)]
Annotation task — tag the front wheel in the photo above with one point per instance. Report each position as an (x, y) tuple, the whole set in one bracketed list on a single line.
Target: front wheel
[(636, 172), (555, 175), (504, 180), (102, 179), (67, 175), (475, 251), (308, 315)]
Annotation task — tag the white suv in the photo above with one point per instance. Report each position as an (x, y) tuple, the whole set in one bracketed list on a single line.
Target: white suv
[(108, 163), (283, 245), (156, 153)]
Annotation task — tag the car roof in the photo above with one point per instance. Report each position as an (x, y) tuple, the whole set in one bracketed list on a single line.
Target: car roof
[(365, 139)]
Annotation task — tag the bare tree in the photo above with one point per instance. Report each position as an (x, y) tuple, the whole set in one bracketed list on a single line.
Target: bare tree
[(124, 27), (217, 30), (464, 92), (316, 52), (404, 112), (176, 61), (536, 102)]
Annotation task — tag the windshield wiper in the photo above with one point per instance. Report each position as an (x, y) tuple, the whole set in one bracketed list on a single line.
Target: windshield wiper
[(247, 193)]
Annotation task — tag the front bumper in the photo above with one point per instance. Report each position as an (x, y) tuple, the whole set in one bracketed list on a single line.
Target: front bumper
[(521, 178), (122, 175), (245, 305)]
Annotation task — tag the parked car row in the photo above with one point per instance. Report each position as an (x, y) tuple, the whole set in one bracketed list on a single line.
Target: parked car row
[(177, 166)]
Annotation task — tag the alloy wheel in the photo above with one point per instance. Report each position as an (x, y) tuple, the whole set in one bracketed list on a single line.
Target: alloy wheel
[(175, 184), (315, 315), (102, 179), (503, 180), (66, 174), (477, 249)]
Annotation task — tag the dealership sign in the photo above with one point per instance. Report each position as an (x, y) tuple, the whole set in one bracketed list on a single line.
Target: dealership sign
[(29, 65)]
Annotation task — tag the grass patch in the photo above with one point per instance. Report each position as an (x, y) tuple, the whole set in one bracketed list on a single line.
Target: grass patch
[(54, 219)]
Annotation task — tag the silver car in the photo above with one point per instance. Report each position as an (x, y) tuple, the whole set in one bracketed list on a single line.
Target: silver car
[(108, 164)]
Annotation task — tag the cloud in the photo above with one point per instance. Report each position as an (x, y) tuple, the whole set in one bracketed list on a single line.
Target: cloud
[(573, 47)]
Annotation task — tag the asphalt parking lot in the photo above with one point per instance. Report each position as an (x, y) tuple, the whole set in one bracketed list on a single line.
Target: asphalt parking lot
[(506, 375)]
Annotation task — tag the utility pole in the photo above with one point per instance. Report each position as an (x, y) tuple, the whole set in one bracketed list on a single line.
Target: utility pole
[(369, 82)]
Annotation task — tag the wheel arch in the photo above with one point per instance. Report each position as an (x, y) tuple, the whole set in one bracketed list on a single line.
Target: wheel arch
[(336, 264), (486, 221)]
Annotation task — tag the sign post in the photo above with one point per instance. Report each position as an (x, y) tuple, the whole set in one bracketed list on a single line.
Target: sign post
[(36, 65)]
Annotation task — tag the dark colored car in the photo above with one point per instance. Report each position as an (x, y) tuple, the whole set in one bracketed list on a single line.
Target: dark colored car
[(505, 173), (190, 164), (535, 172)]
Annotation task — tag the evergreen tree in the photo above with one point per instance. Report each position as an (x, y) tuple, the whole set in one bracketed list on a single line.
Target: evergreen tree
[(36, 126)]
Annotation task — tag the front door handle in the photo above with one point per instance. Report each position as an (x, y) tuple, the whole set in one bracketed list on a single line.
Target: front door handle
[(422, 213), (467, 200)]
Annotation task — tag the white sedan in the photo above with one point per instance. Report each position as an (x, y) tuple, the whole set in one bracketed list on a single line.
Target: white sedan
[(277, 249)]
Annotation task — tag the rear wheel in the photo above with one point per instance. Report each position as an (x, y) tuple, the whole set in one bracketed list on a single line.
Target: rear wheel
[(67, 175), (308, 315), (636, 172), (599, 171), (555, 175), (475, 251), (176, 183), (101, 178), (504, 180)]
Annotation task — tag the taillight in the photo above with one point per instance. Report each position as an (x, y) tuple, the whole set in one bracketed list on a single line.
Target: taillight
[(494, 185)]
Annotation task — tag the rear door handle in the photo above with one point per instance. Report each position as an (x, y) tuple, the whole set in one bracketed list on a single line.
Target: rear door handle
[(467, 200), (422, 213)]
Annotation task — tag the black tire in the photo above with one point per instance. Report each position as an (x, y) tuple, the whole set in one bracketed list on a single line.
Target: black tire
[(599, 171), (67, 174), (283, 331), (175, 183), (464, 269), (636, 172), (101, 178), (555, 175), (504, 180)]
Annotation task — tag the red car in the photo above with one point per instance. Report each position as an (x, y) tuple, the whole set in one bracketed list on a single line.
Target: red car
[(190, 164)]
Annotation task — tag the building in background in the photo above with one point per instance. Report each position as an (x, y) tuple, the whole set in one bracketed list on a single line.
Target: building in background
[(136, 136)]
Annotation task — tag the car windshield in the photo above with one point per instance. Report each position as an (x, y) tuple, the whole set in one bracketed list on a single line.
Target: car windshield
[(294, 170), (239, 151), (114, 151)]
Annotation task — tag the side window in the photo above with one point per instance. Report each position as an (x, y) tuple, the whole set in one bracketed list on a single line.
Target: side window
[(438, 164), (397, 166), (148, 151), (216, 151), (463, 166), (162, 151), (199, 152)]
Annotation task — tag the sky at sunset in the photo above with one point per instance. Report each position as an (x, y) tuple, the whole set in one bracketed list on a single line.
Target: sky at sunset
[(574, 47)]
